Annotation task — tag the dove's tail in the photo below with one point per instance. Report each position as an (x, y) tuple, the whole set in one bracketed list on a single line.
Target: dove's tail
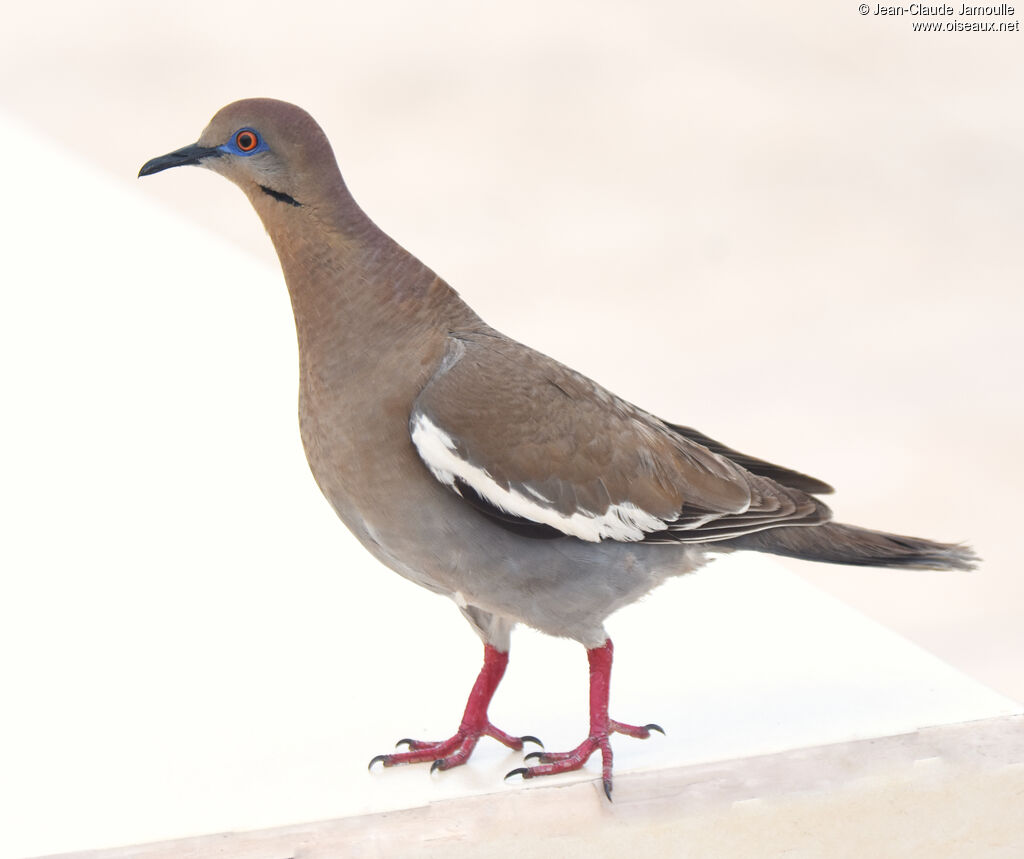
[(834, 543)]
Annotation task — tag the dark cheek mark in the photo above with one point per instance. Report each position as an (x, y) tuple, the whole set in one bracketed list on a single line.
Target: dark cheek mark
[(278, 195)]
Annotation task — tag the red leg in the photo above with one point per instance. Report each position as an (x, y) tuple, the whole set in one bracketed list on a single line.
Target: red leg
[(475, 724), (601, 728)]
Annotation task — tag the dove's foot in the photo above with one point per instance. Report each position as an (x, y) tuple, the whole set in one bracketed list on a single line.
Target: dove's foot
[(601, 728), (453, 751), (561, 762), (475, 724)]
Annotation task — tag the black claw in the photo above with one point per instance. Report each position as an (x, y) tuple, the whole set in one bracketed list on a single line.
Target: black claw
[(523, 771), (383, 758), (538, 755), (608, 788), (404, 741), (653, 727), (437, 765), (529, 738)]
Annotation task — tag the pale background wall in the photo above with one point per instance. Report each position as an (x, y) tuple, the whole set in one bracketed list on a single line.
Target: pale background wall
[(794, 227)]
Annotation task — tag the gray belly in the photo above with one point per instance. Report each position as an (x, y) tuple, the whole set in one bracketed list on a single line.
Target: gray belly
[(425, 532)]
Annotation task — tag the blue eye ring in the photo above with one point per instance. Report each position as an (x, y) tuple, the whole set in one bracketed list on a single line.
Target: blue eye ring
[(245, 141)]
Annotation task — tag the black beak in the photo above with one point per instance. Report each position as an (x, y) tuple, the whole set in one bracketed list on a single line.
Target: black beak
[(192, 154)]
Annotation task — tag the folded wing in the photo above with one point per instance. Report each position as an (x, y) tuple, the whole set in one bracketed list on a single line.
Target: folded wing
[(545, 451)]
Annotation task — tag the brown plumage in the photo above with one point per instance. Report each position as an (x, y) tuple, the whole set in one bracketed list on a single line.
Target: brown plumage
[(529, 422)]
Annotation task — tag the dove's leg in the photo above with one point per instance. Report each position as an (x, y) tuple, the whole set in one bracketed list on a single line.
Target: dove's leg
[(456, 750), (601, 728)]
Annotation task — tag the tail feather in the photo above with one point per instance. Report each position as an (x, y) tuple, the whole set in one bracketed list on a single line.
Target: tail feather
[(835, 543)]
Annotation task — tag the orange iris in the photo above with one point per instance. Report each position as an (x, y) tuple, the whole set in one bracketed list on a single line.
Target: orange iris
[(246, 141)]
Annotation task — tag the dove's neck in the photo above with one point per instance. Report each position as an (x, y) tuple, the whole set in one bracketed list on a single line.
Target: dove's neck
[(362, 303)]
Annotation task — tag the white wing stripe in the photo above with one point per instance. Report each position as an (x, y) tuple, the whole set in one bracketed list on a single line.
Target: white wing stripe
[(625, 521)]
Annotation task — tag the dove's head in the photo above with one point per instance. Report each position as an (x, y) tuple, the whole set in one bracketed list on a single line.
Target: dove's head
[(273, 150)]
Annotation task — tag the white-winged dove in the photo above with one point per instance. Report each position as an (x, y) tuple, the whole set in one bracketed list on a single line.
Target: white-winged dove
[(486, 471)]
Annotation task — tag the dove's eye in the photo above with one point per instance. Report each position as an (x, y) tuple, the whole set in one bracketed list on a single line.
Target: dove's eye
[(247, 140)]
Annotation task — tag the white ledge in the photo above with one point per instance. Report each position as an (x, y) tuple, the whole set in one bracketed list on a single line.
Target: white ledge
[(952, 790)]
